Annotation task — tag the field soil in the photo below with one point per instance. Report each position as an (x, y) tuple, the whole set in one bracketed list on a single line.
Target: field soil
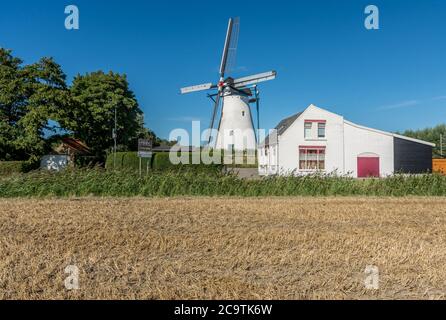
[(224, 248)]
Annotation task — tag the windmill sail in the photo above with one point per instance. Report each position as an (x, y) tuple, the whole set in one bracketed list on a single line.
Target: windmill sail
[(230, 48), (200, 87), (233, 45), (250, 80)]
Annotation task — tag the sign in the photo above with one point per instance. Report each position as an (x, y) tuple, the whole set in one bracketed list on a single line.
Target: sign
[(145, 145), (145, 148), (145, 154)]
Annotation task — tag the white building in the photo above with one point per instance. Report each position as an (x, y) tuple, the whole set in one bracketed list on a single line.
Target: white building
[(317, 140)]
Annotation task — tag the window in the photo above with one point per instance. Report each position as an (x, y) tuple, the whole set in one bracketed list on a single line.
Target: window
[(308, 126), (321, 130), (231, 133), (243, 113), (310, 133), (312, 159)]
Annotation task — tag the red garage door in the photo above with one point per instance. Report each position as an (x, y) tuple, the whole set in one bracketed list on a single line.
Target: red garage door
[(368, 167)]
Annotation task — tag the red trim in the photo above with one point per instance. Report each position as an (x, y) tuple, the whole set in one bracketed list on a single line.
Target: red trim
[(312, 147), (318, 121)]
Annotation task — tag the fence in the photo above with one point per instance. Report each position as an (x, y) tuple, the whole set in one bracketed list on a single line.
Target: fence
[(439, 165)]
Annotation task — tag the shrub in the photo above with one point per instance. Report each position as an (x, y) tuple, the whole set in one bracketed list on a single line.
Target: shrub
[(127, 161), (159, 161), (12, 167)]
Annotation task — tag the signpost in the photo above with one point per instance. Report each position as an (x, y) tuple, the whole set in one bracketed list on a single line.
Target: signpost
[(145, 147), (145, 154)]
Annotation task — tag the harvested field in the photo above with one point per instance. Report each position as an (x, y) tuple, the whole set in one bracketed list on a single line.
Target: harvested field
[(223, 248)]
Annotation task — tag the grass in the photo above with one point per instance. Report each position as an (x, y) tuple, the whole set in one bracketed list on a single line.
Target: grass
[(223, 248), (197, 182)]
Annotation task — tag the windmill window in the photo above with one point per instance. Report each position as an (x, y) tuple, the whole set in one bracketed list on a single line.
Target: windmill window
[(243, 113), (231, 133)]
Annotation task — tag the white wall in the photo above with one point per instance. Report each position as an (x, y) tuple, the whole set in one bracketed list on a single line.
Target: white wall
[(268, 160), (360, 140), (263, 162), (292, 138)]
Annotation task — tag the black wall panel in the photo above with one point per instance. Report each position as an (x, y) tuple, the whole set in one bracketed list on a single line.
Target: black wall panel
[(411, 157)]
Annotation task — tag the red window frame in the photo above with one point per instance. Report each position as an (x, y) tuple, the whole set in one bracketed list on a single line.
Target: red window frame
[(317, 121)]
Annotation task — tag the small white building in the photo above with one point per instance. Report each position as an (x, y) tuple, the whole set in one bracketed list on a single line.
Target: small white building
[(317, 140)]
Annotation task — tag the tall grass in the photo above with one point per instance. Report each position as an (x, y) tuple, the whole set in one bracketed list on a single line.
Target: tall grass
[(193, 182)]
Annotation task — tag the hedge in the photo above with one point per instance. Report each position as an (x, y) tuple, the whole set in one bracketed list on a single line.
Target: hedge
[(127, 160), (159, 161), (11, 167)]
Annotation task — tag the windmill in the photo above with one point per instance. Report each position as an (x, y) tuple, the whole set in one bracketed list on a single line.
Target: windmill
[(236, 127)]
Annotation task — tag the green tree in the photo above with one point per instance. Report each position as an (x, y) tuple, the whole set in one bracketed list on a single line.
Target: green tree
[(12, 103), (29, 96), (48, 99), (431, 135), (32, 95), (91, 118)]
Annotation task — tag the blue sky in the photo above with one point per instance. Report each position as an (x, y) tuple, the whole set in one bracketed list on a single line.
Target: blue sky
[(390, 79)]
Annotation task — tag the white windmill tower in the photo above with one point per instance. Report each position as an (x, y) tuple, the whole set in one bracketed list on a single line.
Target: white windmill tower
[(236, 127)]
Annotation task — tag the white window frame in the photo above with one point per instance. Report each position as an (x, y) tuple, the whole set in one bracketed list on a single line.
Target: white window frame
[(310, 129), (318, 159), (324, 127)]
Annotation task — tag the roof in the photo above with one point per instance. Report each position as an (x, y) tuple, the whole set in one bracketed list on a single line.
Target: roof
[(287, 122), (76, 145), (391, 134), (282, 127)]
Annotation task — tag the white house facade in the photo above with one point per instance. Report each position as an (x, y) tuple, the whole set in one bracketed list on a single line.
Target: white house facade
[(317, 140)]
